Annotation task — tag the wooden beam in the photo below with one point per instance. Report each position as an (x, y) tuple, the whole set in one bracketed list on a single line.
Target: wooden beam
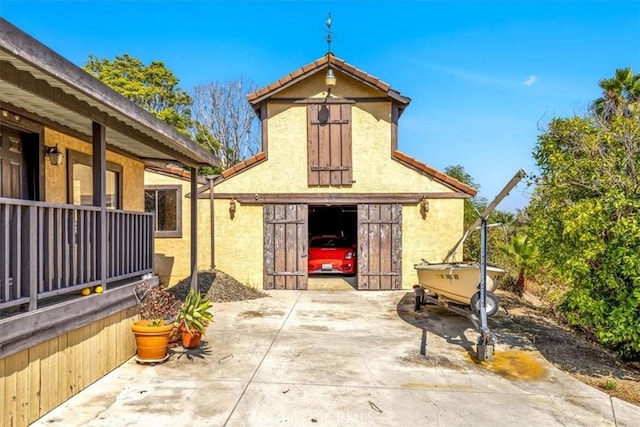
[(264, 120), (394, 128), (9, 118), (336, 100), (333, 198), (194, 230), (30, 256), (25, 330), (306, 101), (99, 162)]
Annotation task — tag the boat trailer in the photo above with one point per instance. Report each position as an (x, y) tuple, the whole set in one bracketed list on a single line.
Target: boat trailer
[(485, 346)]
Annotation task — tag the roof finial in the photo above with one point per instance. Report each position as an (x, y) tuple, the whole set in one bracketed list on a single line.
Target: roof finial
[(329, 34)]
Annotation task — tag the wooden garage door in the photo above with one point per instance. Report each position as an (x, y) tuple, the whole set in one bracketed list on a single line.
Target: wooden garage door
[(379, 246), (285, 246)]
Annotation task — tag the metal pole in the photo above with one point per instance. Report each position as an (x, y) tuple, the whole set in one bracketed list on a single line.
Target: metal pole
[(483, 276), (213, 234)]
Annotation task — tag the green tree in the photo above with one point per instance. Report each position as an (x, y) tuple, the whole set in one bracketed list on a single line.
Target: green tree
[(585, 218), (508, 222), (496, 237), (621, 94), (153, 87), (472, 206), (521, 252)]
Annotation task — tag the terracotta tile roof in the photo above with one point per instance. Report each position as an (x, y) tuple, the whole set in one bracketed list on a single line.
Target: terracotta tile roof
[(170, 169), (318, 65), (439, 176), (245, 164), (398, 155)]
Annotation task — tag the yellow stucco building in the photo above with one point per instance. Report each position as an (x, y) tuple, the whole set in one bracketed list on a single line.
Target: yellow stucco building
[(329, 164), (167, 188)]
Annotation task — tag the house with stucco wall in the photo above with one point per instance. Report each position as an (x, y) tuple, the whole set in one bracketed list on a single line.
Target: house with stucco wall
[(167, 191), (72, 222), (330, 164)]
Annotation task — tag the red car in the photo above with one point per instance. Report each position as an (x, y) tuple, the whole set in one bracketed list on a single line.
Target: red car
[(331, 254)]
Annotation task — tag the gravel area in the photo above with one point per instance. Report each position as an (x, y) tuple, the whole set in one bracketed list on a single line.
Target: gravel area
[(219, 287)]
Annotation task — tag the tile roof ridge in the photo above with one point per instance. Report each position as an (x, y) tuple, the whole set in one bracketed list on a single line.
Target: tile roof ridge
[(440, 176)]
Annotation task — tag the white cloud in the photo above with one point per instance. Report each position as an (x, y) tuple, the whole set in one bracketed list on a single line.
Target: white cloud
[(530, 81), (467, 75), (457, 72)]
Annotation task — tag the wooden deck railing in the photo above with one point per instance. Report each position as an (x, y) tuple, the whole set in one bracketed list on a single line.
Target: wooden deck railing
[(51, 249)]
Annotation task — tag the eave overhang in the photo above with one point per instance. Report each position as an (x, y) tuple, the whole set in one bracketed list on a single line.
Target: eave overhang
[(319, 65), (38, 82)]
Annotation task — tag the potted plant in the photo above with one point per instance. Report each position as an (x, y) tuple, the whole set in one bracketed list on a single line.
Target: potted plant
[(193, 318), (158, 309)]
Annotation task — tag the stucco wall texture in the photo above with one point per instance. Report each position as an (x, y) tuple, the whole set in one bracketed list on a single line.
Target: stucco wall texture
[(239, 242), (56, 190), (173, 254)]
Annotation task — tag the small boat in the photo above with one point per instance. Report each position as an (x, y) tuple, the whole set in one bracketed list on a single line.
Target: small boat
[(459, 282)]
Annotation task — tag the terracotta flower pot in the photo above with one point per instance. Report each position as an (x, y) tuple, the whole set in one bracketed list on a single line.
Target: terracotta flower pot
[(151, 341), (191, 341)]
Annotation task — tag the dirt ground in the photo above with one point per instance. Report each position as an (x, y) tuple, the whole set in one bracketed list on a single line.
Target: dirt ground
[(572, 353)]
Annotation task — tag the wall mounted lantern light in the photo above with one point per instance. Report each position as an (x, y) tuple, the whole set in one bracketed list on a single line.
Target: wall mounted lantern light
[(424, 207), (424, 204), (232, 208), (54, 154), (330, 80)]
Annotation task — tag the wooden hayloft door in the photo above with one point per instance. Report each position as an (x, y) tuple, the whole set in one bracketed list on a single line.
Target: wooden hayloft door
[(379, 247), (285, 246), (329, 144)]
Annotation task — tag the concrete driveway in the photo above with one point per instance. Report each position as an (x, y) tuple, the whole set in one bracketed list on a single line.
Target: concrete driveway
[(343, 358)]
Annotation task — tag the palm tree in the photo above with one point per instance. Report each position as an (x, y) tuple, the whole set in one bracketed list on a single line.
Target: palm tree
[(506, 219), (522, 253), (621, 94)]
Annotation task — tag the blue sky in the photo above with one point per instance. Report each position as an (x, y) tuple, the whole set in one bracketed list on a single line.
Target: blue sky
[(484, 77)]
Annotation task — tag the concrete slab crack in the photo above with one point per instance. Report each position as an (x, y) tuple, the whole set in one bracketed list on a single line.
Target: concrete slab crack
[(244, 390)]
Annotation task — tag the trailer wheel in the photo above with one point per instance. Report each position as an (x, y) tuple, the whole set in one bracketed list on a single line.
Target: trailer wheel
[(492, 304)]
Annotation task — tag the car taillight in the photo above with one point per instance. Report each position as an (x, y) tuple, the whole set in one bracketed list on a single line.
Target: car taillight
[(348, 255)]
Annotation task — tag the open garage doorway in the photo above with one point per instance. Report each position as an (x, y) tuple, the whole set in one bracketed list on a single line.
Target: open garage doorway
[(333, 238)]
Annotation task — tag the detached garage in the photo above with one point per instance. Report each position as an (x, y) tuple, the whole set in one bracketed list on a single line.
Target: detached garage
[(329, 165)]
